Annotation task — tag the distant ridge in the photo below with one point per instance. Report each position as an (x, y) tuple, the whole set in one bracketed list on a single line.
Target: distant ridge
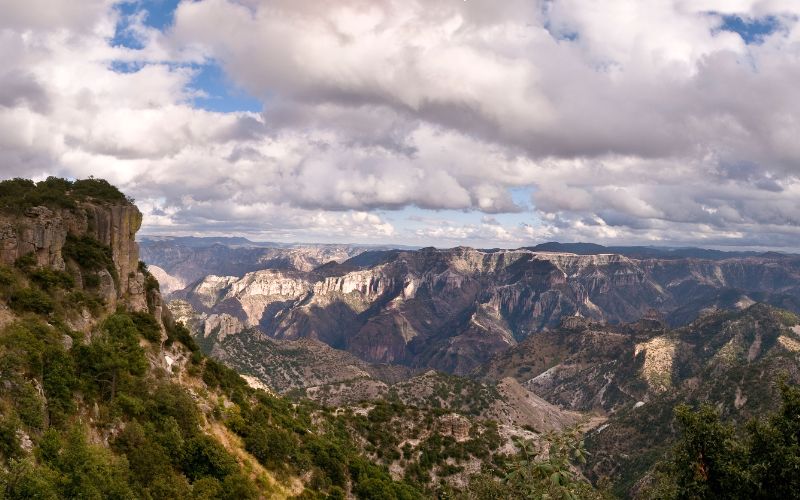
[(644, 252)]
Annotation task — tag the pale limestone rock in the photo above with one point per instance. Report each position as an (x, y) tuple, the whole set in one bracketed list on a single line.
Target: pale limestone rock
[(454, 425), (44, 232), (789, 343), (659, 355), (213, 288), (167, 282), (222, 325)]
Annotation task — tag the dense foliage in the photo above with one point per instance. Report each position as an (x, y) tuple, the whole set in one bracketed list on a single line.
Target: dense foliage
[(17, 195), (550, 472), (301, 438), (63, 390), (716, 460), (160, 450)]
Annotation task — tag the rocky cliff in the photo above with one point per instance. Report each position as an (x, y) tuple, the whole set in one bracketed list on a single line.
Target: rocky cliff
[(191, 259), (43, 232), (453, 309)]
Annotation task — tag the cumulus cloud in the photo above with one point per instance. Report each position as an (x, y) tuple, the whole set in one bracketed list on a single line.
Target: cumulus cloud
[(628, 121)]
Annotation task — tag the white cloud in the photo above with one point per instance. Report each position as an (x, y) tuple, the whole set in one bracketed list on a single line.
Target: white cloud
[(630, 121)]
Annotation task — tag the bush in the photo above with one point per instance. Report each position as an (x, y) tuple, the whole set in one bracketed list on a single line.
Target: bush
[(114, 359), (50, 279), (172, 402), (272, 447), (206, 457), (215, 374), (97, 189), (715, 460), (9, 441), (207, 488), (177, 331), (17, 195), (7, 278), (147, 326), (87, 471), (25, 479), (79, 300), (27, 262), (88, 253), (31, 300)]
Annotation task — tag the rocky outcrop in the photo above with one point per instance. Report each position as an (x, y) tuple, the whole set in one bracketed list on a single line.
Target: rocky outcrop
[(43, 232), (168, 282)]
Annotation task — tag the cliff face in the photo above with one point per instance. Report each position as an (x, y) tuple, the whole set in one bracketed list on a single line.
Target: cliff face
[(453, 309), (192, 259), (43, 232)]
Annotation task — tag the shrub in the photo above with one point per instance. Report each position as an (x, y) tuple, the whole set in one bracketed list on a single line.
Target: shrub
[(215, 374), (17, 195), (715, 460), (207, 488), (97, 189), (26, 262), (50, 279), (91, 281), (31, 300), (7, 278), (9, 441), (206, 457), (172, 403), (112, 359), (88, 471), (147, 326), (237, 486), (272, 447), (79, 300), (29, 405), (177, 331), (88, 253)]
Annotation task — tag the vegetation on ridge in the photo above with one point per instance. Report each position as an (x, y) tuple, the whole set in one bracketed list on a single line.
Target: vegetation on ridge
[(17, 195)]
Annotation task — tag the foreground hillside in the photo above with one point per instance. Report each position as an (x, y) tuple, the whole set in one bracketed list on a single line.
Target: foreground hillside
[(104, 396), (621, 382)]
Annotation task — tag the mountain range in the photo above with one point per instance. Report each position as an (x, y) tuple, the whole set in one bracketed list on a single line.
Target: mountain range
[(452, 309)]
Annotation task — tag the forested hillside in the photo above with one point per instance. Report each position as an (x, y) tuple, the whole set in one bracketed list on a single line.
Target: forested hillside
[(104, 396)]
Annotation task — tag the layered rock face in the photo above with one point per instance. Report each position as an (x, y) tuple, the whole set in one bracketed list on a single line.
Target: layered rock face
[(453, 309), (43, 232), (191, 259)]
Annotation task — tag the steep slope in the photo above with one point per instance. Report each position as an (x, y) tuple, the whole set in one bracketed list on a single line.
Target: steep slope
[(104, 396), (638, 373), (733, 360), (453, 309)]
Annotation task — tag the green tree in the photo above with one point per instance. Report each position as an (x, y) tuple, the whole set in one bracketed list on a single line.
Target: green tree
[(715, 460), (113, 356), (86, 471), (549, 472), (204, 456)]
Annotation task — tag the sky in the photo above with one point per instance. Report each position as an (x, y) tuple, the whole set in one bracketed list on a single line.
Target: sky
[(420, 122)]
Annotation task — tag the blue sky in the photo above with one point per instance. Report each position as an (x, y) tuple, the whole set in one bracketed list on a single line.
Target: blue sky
[(221, 94)]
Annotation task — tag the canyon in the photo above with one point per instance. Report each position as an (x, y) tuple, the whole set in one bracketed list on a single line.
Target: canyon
[(453, 309)]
